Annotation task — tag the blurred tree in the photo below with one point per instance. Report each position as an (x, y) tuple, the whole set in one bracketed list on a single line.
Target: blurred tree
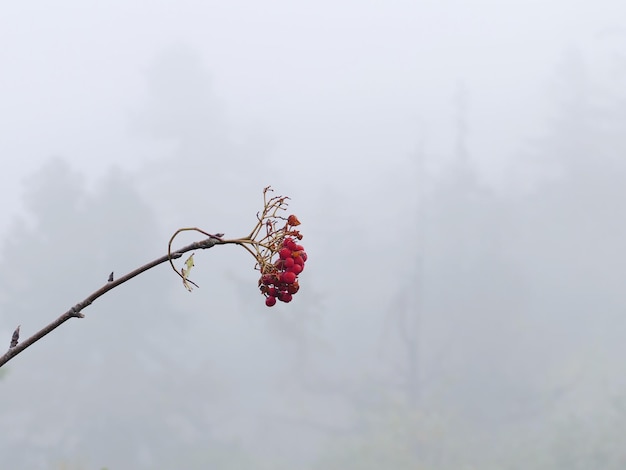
[(202, 160), (459, 309), (397, 435), (570, 233), (116, 387), (568, 237), (182, 107), (582, 442), (53, 199)]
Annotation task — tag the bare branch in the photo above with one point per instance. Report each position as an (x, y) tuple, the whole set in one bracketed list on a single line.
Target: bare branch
[(76, 310)]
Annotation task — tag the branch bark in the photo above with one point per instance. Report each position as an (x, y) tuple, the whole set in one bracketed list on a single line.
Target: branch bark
[(76, 310)]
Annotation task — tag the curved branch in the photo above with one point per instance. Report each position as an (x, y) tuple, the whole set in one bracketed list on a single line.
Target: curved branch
[(217, 236), (76, 310)]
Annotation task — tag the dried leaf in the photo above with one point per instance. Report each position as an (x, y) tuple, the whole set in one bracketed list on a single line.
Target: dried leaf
[(189, 262), (185, 272)]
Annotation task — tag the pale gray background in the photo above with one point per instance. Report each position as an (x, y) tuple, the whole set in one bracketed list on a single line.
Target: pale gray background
[(458, 168)]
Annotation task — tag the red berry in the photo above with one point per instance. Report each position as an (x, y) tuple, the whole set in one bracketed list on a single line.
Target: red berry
[(270, 301), (289, 262), (268, 279), (285, 297), (303, 255), (288, 277), (281, 286), (284, 253), (297, 269), (299, 248), (299, 260), (272, 291), (293, 288), (289, 244)]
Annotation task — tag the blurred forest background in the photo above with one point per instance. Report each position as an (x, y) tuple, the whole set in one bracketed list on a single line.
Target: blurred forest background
[(444, 321)]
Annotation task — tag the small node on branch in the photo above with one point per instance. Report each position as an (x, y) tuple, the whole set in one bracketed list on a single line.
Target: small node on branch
[(75, 311), (110, 277), (16, 337)]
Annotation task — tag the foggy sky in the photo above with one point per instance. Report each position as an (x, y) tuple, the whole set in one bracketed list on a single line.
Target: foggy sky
[(323, 82), (373, 117)]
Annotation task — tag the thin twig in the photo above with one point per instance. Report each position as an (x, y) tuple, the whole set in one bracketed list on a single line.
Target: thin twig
[(76, 310)]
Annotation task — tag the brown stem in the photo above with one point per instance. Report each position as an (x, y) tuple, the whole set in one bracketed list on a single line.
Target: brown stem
[(75, 311)]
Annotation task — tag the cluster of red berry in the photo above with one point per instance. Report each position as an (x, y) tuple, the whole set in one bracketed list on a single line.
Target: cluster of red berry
[(280, 279)]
